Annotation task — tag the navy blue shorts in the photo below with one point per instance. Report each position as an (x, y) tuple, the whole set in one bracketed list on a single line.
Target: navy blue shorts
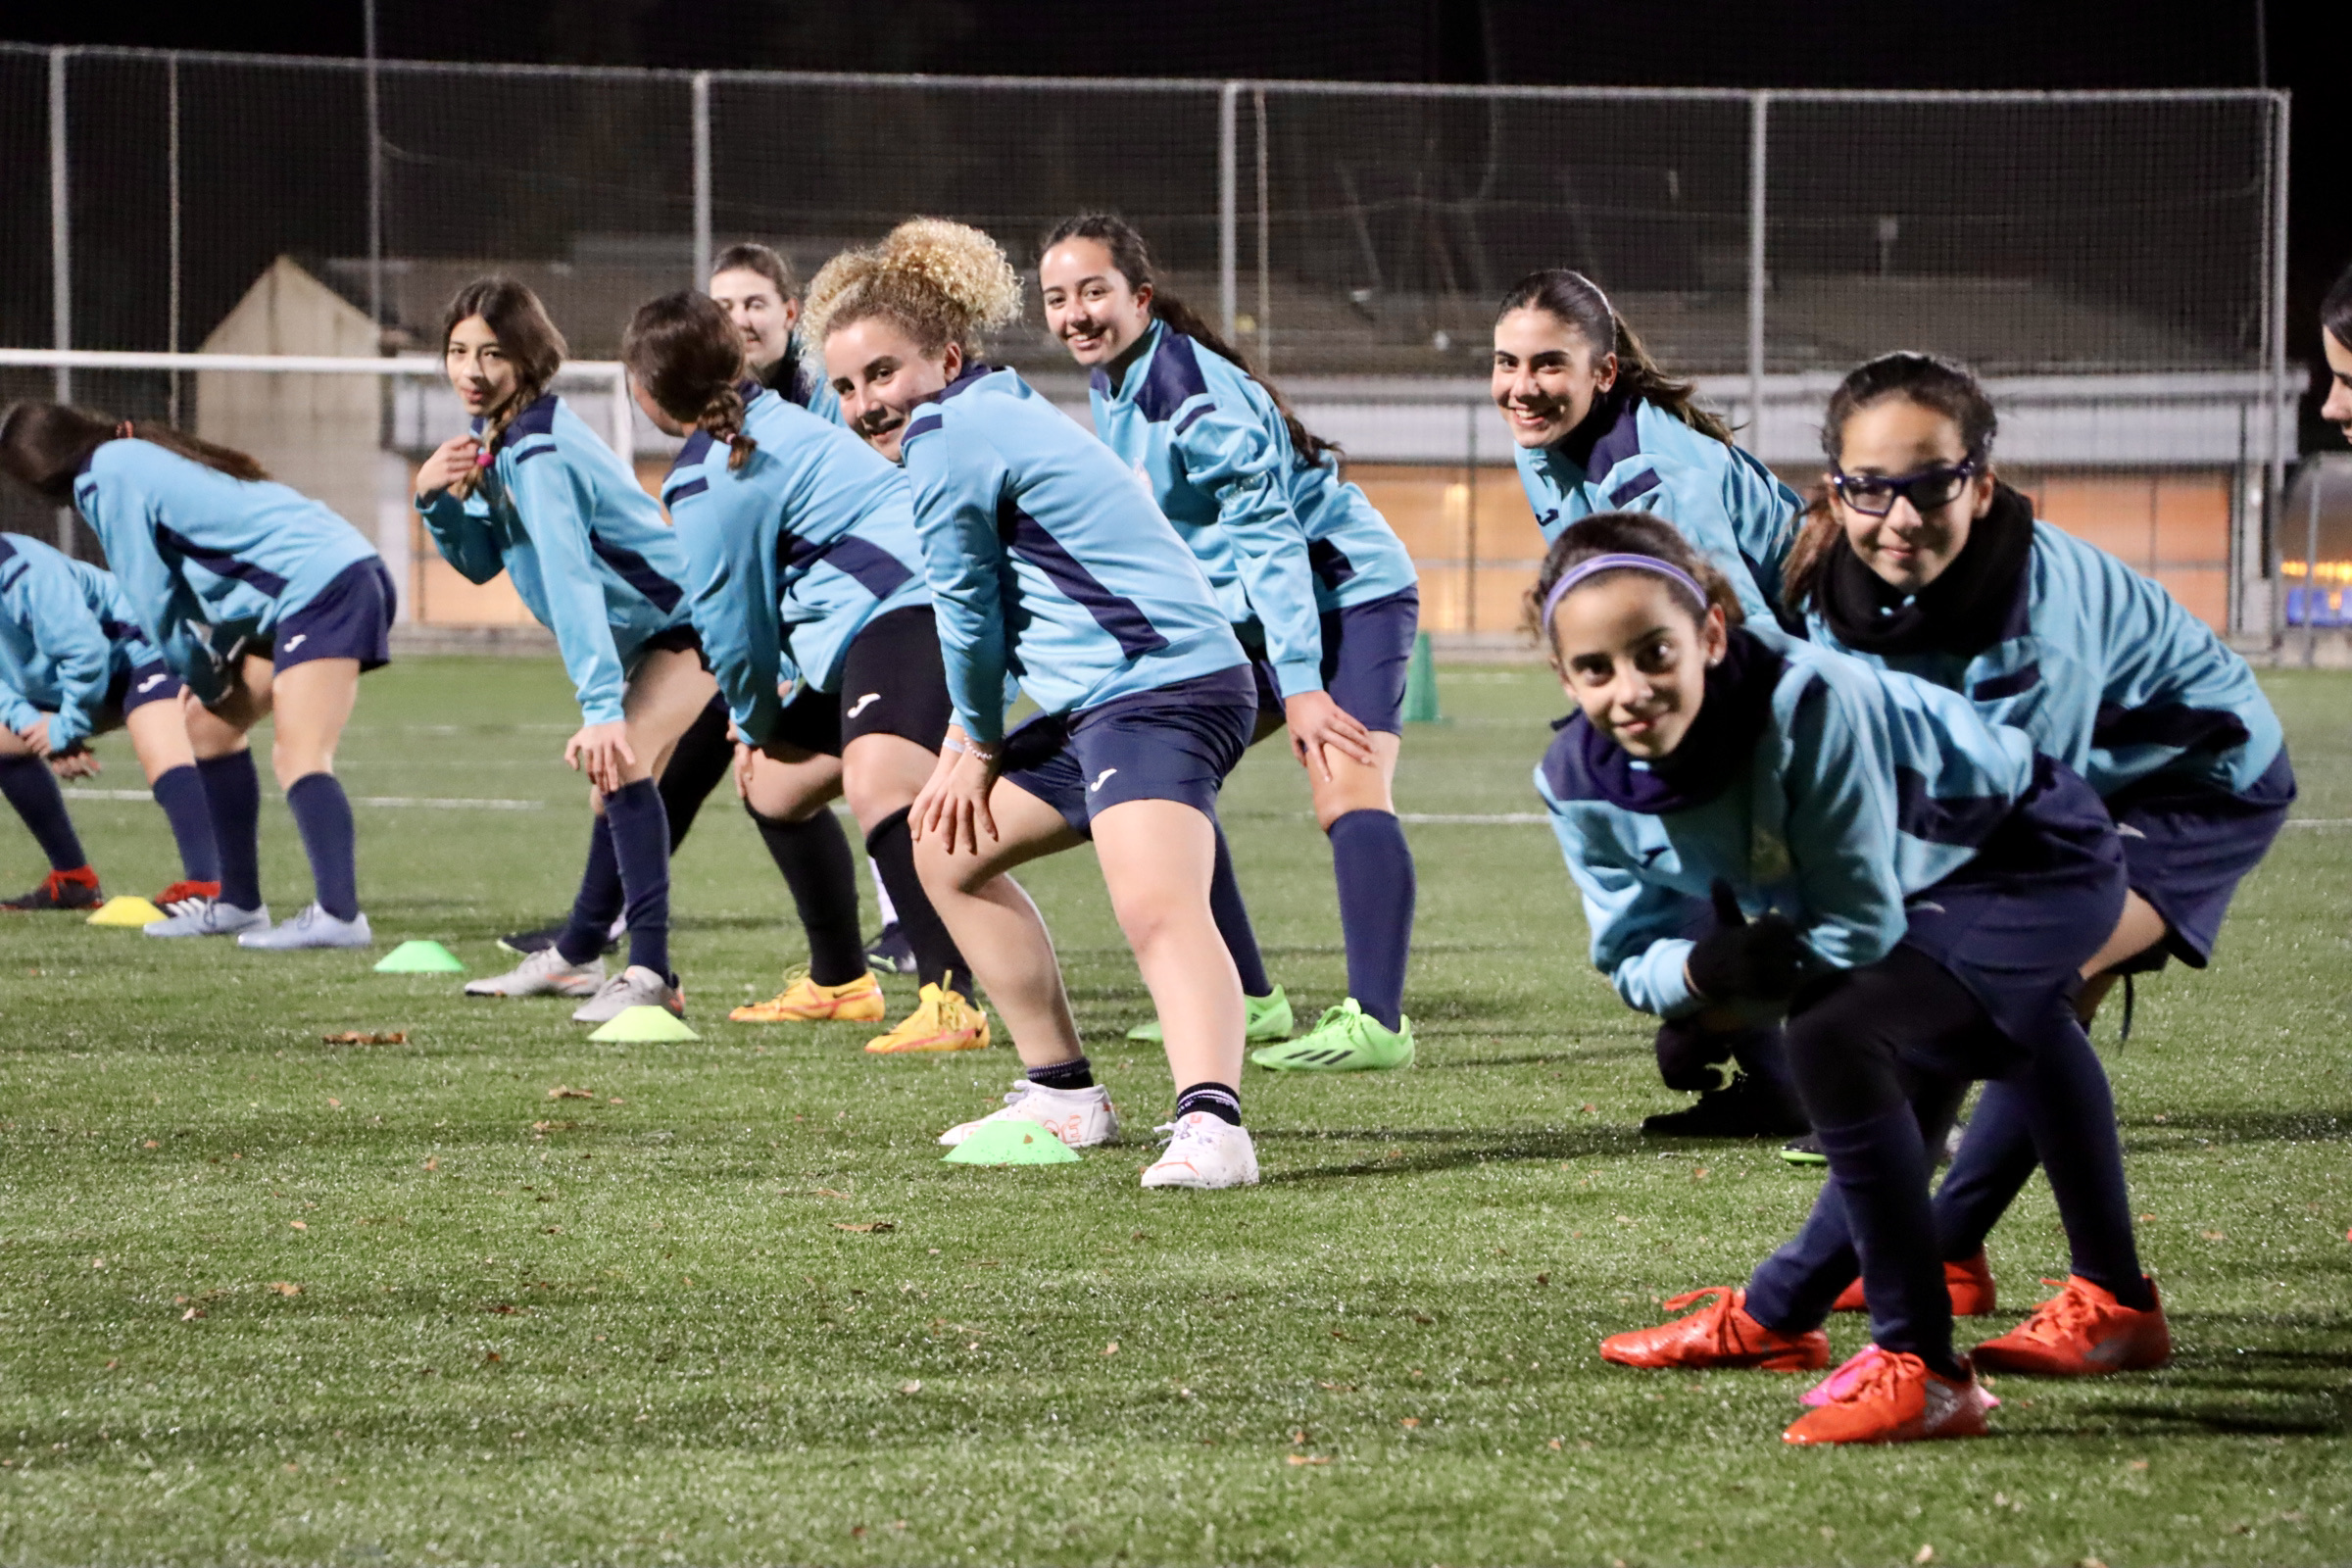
[(2188, 847), (139, 685), (1366, 651), (2017, 923), (350, 617), (1173, 744)]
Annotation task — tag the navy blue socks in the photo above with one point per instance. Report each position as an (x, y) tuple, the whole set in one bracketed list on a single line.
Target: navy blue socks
[(814, 854), (1231, 915), (640, 830), (1079, 1074), (1218, 1100), (323, 814), (2071, 1113), (598, 904), (1375, 871), (233, 792), (1880, 1167), (179, 791), (32, 789), (937, 960)]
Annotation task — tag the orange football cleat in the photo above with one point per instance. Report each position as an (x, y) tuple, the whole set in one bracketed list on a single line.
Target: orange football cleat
[(1719, 1335), (803, 1001), (943, 1020), (1970, 1281), (1893, 1399), (2082, 1332)]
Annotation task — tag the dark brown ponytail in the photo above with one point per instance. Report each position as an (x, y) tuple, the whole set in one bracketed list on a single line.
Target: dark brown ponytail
[(1133, 261), (686, 354), (43, 446)]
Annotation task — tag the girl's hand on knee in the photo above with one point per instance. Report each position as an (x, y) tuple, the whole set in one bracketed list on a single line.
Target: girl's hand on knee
[(954, 802), (76, 761), (36, 735), (1316, 721), (602, 752)]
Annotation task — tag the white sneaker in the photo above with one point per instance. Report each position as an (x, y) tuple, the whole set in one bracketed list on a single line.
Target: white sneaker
[(634, 986), (545, 973), (312, 927), (1205, 1150), (208, 917), (1079, 1117)]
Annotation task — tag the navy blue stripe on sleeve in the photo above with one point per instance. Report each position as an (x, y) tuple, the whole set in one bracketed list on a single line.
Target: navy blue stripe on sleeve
[(1995, 687), (1966, 820), (877, 570), (1640, 484), (638, 573), (1115, 614), (1192, 418), (528, 453), (692, 487), (220, 563), (1329, 563)]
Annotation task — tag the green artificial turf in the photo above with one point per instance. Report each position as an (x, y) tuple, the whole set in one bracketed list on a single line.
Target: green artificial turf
[(499, 1295)]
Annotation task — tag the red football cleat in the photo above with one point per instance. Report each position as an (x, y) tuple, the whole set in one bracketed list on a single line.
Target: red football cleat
[(1970, 1281), (76, 889), (1721, 1335), (2082, 1332), (1893, 1399), (186, 891)]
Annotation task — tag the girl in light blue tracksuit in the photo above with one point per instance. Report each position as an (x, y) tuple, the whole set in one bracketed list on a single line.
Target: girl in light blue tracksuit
[(1317, 584), (266, 605), (529, 490), (807, 576), (74, 662), (1913, 887), (1921, 560), (1048, 564)]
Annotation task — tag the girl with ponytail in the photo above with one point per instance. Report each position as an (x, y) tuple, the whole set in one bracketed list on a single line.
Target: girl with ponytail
[(529, 490), (805, 574), (1600, 427), (266, 605), (1048, 562), (1919, 559), (1318, 586)]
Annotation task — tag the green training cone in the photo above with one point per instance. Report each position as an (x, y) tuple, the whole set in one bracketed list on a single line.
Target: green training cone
[(645, 1022), (1421, 684), (420, 957), (1012, 1142), (129, 910)]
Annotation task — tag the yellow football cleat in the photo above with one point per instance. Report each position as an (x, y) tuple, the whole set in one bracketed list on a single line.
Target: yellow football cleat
[(803, 1001), (942, 1021)]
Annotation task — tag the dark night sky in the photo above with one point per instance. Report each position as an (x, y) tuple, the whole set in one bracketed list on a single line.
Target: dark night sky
[(1989, 43)]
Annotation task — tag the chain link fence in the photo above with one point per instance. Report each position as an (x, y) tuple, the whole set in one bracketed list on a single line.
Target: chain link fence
[(1350, 236)]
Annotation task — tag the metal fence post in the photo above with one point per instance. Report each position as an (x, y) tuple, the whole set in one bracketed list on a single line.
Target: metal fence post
[(375, 185), (172, 184), (2275, 497), (1758, 109), (702, 179), (60, 255), (1228, 201), (1265, 284)]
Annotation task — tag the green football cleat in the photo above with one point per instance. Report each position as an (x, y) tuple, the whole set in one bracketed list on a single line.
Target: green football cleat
[(1266, 1017), (1346, 1039)]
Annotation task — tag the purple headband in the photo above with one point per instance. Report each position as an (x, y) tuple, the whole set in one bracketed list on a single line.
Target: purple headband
[(1620, 561)]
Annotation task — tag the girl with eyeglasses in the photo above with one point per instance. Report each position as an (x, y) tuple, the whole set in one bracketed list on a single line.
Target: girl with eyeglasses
[(1922, 560), (1911, 887)]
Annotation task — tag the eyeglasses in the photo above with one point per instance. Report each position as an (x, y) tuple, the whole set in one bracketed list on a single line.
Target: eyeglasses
[(1874, 495)]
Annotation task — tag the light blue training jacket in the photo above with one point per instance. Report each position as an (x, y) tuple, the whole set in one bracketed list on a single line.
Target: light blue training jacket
[(791, 555), (1862, 788), (66, 632), (1048, 561), (204, 560), (1629, 455), (2107, 673), (563, 518), (1280, 541)]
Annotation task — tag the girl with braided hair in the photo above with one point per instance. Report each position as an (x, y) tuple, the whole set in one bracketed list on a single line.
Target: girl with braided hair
[(529, 490), (1048, 564), (807, 574), (266, 605)]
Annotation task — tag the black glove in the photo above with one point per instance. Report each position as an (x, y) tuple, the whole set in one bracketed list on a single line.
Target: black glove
[(1746, 960)]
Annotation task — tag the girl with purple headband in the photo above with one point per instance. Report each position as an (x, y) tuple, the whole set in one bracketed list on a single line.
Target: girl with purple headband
[(1909, 886)]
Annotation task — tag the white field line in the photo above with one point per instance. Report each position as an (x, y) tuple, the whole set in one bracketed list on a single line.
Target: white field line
[(439, 802)]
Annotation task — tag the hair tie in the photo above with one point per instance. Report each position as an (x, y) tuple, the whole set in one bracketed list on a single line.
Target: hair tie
[(122, 431), (1619, 561)]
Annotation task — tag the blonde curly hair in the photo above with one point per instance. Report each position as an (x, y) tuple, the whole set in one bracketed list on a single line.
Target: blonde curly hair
[(944, 282)]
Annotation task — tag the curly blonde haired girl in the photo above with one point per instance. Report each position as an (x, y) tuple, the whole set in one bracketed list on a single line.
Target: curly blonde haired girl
[(944, 282)]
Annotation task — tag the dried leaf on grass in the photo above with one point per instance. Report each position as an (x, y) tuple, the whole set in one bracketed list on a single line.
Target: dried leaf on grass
[(1306, 1458), (567, 1091), (353, 1037), (285, 1288), (867, 1227)]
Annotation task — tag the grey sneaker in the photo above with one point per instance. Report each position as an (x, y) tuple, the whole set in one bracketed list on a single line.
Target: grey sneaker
[(208, 917), (314, 927), (634, 986), (545, 973)]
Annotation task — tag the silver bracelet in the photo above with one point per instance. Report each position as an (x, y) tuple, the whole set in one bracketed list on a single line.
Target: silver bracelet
[(986, 752)]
